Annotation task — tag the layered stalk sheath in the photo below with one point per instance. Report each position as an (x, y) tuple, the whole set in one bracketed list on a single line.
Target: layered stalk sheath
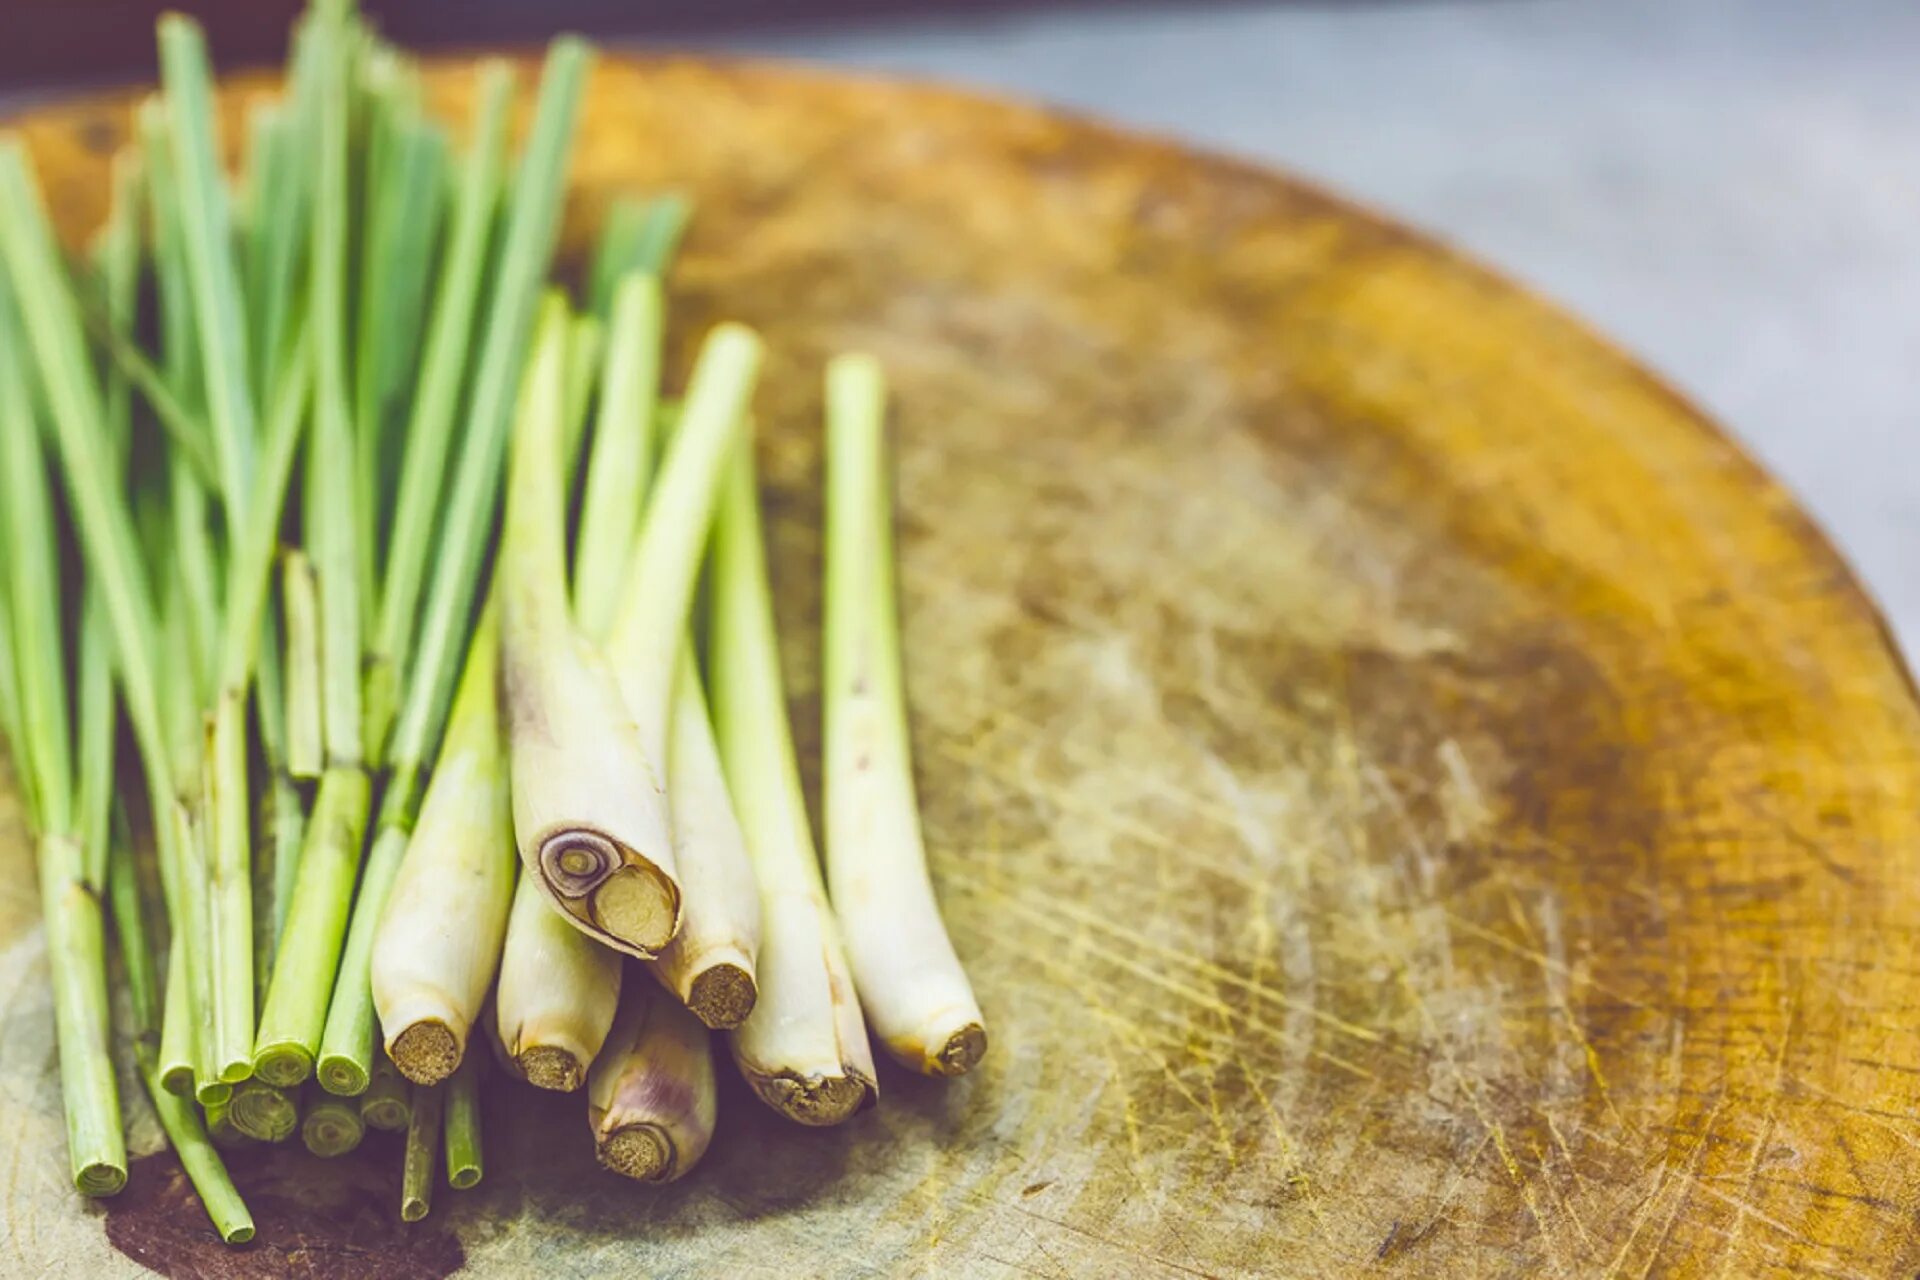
[(711, 964), (650, 1096), (589, 814), (804, 1047), (915, 994), (557, 993), (446, 918)]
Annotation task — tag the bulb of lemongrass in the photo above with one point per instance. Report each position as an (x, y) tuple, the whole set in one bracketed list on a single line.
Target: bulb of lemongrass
[(650, 1095), (915, 994), (588, 813), (439, 940), (557, 993), (804, 1047)]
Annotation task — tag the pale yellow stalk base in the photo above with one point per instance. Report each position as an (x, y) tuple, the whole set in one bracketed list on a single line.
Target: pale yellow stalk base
[(557, 994)]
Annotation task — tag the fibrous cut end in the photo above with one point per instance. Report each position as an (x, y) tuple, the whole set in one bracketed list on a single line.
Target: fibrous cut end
[(426, 1052), (963, 1050), (550, 1067), (819, 1101), (722, 996), (641, 1152)]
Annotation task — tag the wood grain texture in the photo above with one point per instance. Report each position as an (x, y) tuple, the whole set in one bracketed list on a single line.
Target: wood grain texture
[(1413, 797)]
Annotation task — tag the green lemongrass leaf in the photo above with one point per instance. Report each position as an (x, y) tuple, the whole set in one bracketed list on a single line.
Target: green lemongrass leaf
[(639, 235), (300, 596), (407, 192), (186, 431), (94, 709), (583, 369), (179, 338), (650, 621), (532, 229), (437, 398), (116, 265), (333, 527), (281, 177), (623, 434), (187, 79), (44, 750)]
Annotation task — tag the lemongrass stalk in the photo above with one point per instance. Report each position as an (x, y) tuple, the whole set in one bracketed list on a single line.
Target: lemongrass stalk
[(622, 456), (651, 1102), (173, 1065), (557, 993), (915, 993), (184, 430), (585, 341), (466, 1160), (639, 236), (264, 1112), (439, 941), (804, 1047), (187, 80), (711, 965), (330, 1126), (650, 623), (384, 1105), (178, 1117), (423, 1152), (589, 815), (347, 1047), (436, 399), (116, 262), (300, 598), (407, 194), (294, 1018), (179, 340), (531, 231), (70, 904)]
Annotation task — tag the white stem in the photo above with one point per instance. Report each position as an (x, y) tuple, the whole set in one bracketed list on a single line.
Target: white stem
[(446, 916), (589, 811), (557, 993), (710, 965), (804, 1047), (911, 984)]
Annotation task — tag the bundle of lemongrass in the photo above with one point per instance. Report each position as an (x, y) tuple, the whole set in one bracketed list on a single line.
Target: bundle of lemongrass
[(269, 373)]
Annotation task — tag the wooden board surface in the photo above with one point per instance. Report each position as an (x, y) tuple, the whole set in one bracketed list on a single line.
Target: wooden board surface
[(1413, 797)]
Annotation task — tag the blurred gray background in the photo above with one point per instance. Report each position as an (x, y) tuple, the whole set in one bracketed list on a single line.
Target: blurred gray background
[(1728, 188)]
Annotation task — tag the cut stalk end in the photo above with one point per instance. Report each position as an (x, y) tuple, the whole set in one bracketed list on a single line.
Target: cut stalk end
[(283, 1065), (816, 1100), (426, 1052), (551, 1067), (962, 1051), (341, 1076), (642, 1152), (722, 995), (178, 1080), (263, 1111), (212, 1093), (331, 1128), (638, 905), (100, 1178)]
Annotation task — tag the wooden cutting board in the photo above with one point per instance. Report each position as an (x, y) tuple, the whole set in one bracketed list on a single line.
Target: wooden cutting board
[(1413, 797)]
